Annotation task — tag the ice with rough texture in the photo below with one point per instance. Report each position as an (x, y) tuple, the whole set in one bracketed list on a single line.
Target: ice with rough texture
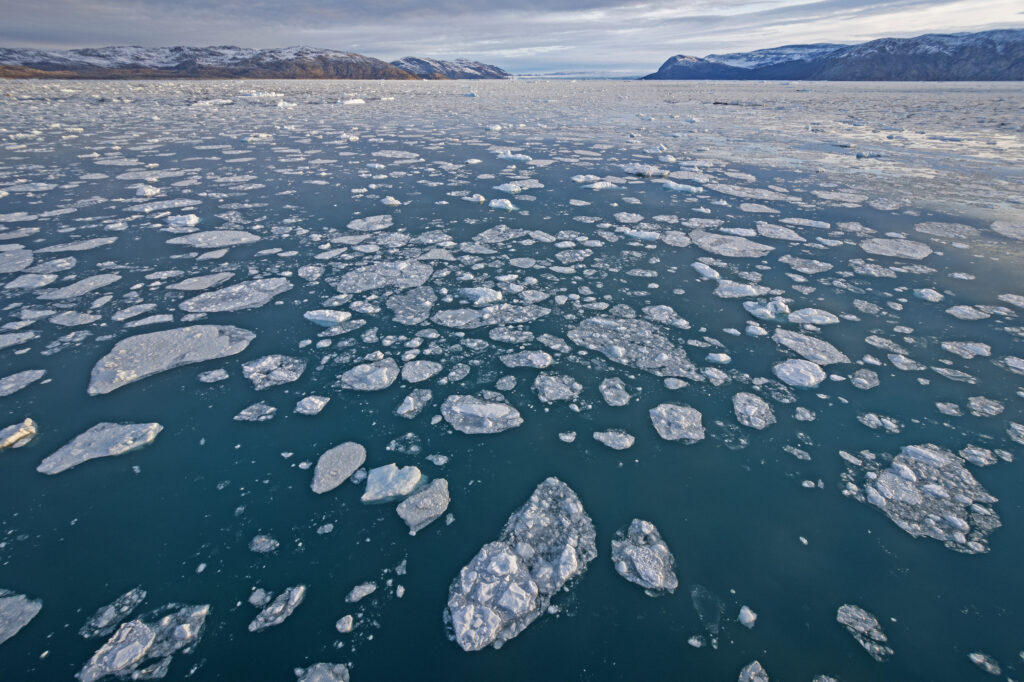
[(144, 355), (103, 440), (277, 611), (242, 296), (799, 373), (866, 629), (897, 248), (473, 415), (753, 672), (18, 435), (106, 618), (155, 637), (614, 392), (634, 343), (751, 410), (641, 556), (556, 387), (273, 370), (677, 422), (928, 492), (13, 383), (336, 465), (391, 482), (421, 508), (816, 350), (16, 611), (322, 672), (397, 275), (547, 542), (373, 376)]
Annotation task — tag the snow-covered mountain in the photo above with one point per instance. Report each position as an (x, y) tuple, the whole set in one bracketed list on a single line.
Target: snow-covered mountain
[(774, 55), (457, 70), (988, 55), (195, 62)]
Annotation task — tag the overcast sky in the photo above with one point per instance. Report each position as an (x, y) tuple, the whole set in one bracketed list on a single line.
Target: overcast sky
[(519, 35)]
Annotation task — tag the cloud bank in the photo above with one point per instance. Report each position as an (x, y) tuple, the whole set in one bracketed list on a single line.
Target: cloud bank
[(525, 36)]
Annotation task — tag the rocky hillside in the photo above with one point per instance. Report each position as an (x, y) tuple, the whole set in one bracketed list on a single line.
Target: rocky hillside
[(985, 56), (194, 62), (460, 69)]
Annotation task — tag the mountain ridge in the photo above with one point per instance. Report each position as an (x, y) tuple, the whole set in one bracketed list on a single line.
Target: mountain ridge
[(982, 56), (219, 61)]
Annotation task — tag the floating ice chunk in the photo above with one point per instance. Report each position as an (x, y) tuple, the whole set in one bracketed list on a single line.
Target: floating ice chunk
[(677, 422), (79, 288), (15, 339), (201, 282), (413, 306), (475, 416), (866, 629), (967, 312), (323, 672), (556, 387), (243, 296), (214, 239), (16, 611), (753, 672), (394, 275), (257, 412), (263, 544), (616, 439), (390, 482), (213, 376), (12, 383), (643, 170), (634, 343), (107, 618), (729, 289), (897, 248), (864, 379), (614, 392), (927, 492), (751, 410), (642, 557), (416, 371), (816, 350), (311, 405), (481, 295), (510, 582), (729, 245), (273, 370), (812, 316), (508, 155), (336, 465), (277, 611), (534, 359), (326, 317), (144, 355), (929, 295), (103, 440), (747, 617), (800, 373), (360, 592), (31, 281), (373, 376), (985, 662), (83, 245), (154, 637), (421, 508), (15, 260), (371, 224), (17, 435), (414, 403), (389, 201), (502, 204)]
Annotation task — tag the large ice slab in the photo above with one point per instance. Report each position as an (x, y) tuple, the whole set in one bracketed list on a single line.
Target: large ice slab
[(138, 357), (472, 415), (509, 583), (103, 440), (642, 557)]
